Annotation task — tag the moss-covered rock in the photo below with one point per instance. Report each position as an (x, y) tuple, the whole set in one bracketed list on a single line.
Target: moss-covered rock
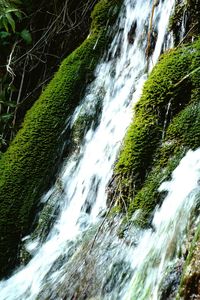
[(160, 101), (165, 125), (27, 166), (182, 134), (104, 13)]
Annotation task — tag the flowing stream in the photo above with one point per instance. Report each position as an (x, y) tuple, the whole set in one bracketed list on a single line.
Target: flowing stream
[(77, 202)]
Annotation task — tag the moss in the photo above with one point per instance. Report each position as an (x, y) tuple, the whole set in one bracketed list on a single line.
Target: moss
[(185, 127), (151, 117), (182, 134), (148, 196), (165, 125), (27, 166), (104, 7), (190, 281)]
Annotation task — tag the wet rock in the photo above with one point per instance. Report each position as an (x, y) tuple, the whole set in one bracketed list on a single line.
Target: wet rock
[(117, 273), (131, 33), (171, 282), (97, 269), (190, 283)]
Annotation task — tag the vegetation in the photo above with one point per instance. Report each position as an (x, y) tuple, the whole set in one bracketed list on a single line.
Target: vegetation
[(10, 14), (35, 151), (165, 124), (161, 100), (32, 44)]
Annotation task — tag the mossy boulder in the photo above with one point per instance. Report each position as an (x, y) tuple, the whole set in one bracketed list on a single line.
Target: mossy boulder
[(26, 168), (182, 135), (165, 125), (161, 100)]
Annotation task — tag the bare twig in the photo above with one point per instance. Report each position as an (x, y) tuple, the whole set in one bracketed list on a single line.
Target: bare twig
[(8, 66), (187, 76), (183, 39), (100, 227), (42, 38), (32, 92), (19, 93)]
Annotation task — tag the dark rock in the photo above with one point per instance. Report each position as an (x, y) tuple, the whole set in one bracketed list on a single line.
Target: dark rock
[(171, 282)]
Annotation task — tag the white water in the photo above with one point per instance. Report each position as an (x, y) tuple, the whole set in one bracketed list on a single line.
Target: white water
[(159, 248), (85, 176)]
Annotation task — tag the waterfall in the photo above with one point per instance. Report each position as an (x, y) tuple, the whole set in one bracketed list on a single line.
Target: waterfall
[(79, 195)]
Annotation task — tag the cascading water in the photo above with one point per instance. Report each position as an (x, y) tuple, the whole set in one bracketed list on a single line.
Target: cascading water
[(159, 247), (80, 193)]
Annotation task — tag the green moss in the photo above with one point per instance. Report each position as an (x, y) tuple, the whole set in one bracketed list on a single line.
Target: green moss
[(148, 196), (146, 130), (185, 127), (157, 140), (182, 134), (104, 7), (27, 166)]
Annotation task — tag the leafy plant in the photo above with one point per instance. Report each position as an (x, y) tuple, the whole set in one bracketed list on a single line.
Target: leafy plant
[(8, 12), (26, 36)]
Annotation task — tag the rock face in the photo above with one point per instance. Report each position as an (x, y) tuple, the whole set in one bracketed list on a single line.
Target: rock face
[(171, 282), (35, 151)]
